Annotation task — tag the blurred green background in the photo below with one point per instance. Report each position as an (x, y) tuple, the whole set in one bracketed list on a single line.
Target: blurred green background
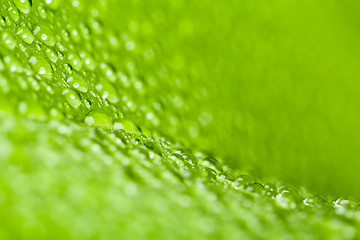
[(281, 80)]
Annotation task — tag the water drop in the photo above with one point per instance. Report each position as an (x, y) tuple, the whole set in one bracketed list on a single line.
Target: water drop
[(107, 91), (74, 33), (87, 104), (130, 45), (347, 202), (25, 35), (256, 188), (315, 201), (107, 72), (4, 86), (42, 67), (126, 125), (212, 163), (226, 176), (68, 68), (34, 84), (14, 13), (44, 35), (13, 65), (288, 198), (72, 97), (77, 83), (95, 26), (53, 4), (56, 114), (84, 30), (242, 181), (51, 55), (8, 40), (88, 61), (23, 5), (209, 173), (270, 190), (99, 119), (75, 61), (42, 12)]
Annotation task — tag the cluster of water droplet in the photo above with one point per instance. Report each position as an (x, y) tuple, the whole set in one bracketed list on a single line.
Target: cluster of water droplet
[(118, 176), (59, 66), (54, 64)]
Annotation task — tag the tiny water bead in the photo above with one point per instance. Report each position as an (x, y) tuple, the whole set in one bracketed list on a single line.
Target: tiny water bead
[(41, 67), (51, 55), (99, 120), (242, 182), (42, 12), (44, 35), (77, 83), (84, 30), (75, 61), (13, 64), (72, 98), (212, 163), (74, 33), (88, 60), (68, 68), (270, 190), (25, 35), (8, 40), (226, 176), (127, 126), (256, 188), (107, 91), (108, 72), (315, 201), (23, 5)]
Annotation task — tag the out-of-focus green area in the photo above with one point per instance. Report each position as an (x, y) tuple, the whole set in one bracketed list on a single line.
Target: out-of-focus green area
[(281, 79)]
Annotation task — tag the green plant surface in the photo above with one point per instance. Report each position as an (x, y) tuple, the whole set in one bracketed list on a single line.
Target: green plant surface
[(108, 110)]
